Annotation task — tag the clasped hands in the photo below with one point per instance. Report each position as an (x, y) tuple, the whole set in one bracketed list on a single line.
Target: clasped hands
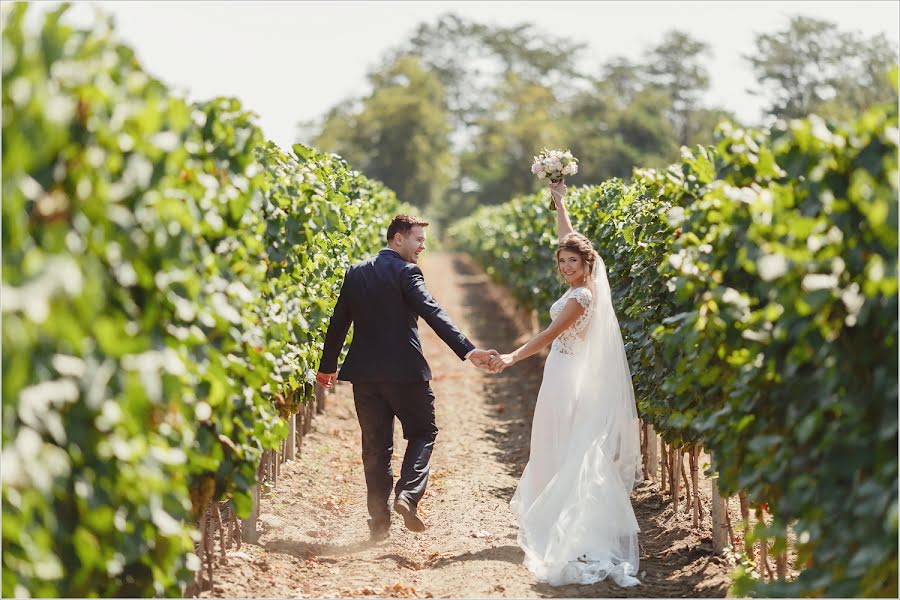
[(487, 360), (491, 360)]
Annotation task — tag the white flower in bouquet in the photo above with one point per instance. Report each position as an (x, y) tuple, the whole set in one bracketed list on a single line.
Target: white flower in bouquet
[(555, 165)]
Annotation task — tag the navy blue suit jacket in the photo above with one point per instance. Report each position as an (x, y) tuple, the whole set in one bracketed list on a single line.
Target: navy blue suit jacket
[(384, 297)]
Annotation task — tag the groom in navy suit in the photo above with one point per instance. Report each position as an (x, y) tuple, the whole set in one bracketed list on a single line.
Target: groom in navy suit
[(384, 297)]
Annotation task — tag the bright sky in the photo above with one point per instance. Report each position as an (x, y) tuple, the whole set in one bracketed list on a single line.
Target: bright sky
[(291, 61)]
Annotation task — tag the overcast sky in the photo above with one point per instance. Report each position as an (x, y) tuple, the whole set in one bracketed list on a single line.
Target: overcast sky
[(291, 61)]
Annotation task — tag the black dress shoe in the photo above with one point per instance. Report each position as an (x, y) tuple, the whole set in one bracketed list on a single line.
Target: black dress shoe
[(408, 511)]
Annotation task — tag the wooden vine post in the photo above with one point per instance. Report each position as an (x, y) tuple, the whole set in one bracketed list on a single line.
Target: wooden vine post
[(664, 464), (719, 517), (320, 399), (676, 475), (695, 481), (652, 453)]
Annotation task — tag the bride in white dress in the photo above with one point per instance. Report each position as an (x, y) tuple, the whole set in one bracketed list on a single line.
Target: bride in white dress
[(576, 523)]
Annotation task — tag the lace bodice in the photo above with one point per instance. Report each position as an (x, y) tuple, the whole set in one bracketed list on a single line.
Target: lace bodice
[(568, 341)]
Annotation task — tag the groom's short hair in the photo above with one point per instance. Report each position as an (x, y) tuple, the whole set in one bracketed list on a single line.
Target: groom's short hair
[(402, 224)]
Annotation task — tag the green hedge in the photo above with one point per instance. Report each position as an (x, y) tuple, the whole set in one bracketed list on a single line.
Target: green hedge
[(167, 275), (756, 286)]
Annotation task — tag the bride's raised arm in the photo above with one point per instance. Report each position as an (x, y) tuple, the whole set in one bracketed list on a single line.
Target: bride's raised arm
[(563, 224)]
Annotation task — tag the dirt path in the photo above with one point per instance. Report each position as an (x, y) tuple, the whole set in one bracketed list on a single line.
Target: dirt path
[(314, 536)]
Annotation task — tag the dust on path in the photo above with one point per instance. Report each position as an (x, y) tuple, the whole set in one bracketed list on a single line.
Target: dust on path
[(314, 538)]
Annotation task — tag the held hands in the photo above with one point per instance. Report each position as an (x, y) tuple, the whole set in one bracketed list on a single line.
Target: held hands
[(499, 363), (491, 360), (482, 358)]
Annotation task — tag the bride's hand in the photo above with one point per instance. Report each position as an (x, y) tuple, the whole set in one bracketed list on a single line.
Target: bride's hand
[(558, 190), (499, 363)]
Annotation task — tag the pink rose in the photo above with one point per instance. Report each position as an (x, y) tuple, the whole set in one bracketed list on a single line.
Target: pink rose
[(537, 168)]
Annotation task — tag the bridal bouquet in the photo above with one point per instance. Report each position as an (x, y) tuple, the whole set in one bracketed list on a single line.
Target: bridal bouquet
[(555, 165)]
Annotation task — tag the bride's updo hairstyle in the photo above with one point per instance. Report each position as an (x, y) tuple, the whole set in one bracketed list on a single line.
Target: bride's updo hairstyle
[(575, 242)]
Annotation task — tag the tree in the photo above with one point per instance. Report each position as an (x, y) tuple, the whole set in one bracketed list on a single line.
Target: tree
[(812, 67), (674, 67), (458, 111), (623, 78), (611, 133), (863, 80), (703, 123), (398, 134), (473, 59), (500, 84), (525, 117), (339, 132)]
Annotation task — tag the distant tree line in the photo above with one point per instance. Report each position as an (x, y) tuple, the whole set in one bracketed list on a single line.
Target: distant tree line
[(456, 112)]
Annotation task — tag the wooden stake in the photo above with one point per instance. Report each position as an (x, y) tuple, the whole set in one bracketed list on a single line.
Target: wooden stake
[(781, 564), (684, 478), (292, 437), (221, 527), (300, 425), (676, 476), (209, 544), (763, 562), (721, 533), (731, 535), (201, 552), (695, 479), (645, 441), (664, 464), (307, 420), (248, 525), (320, 399), (652, 455), (670, 464), (273, 462), (745, 517), (236, 529)]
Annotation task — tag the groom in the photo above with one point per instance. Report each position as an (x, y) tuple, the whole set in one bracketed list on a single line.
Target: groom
[(384, 296)]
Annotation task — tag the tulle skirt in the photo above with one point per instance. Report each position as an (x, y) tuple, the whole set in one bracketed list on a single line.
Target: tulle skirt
[(573, 504)]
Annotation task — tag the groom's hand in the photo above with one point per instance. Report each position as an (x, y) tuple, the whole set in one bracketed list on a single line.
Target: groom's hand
[(326, 380), (482, 358)]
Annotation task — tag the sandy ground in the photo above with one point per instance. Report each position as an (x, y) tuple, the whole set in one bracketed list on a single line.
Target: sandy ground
[(314, 539)]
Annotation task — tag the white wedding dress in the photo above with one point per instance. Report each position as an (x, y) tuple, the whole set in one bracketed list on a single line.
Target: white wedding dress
[(576, 523)]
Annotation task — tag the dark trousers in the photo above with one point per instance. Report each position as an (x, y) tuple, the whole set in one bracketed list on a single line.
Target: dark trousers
[(376, 406)]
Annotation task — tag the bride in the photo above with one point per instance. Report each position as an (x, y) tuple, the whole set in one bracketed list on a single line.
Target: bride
[(576, 523)]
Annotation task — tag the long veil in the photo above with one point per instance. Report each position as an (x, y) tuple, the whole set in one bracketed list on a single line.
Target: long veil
[(604, 387), (597, 523)]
